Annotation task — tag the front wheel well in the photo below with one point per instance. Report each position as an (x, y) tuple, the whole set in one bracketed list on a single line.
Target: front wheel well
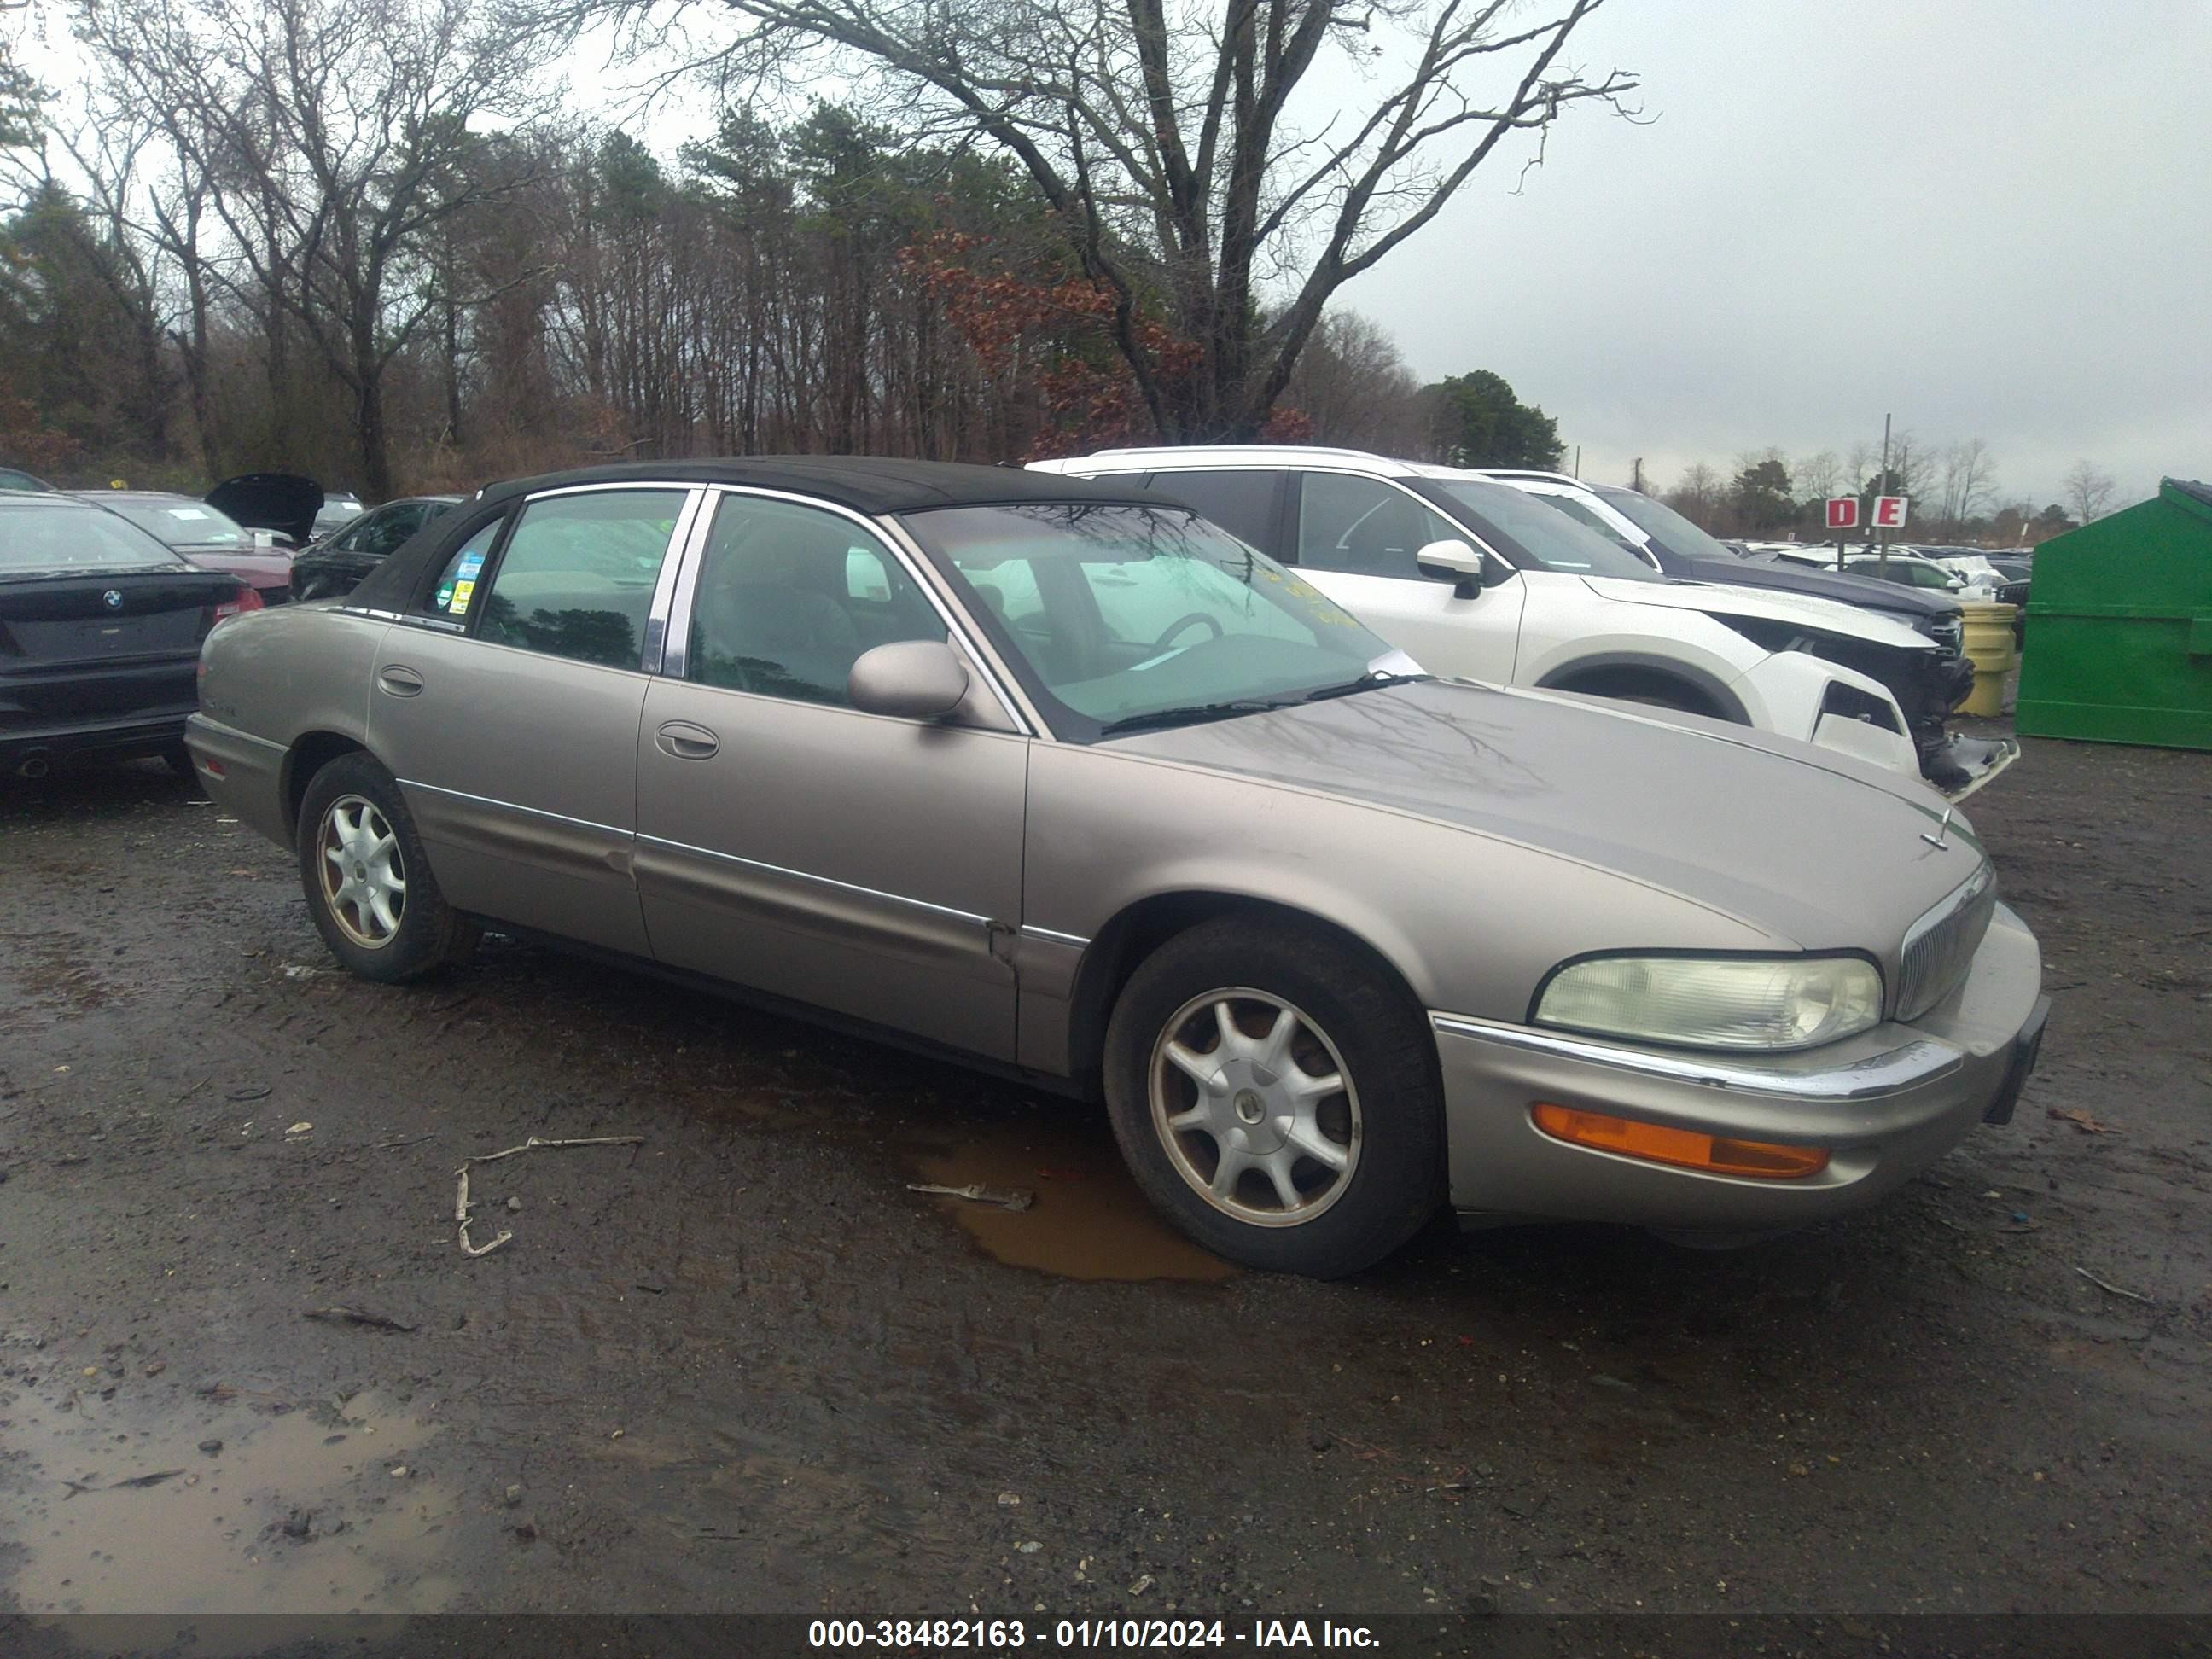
[(1644, 683), (1142, 928), (309, 755)]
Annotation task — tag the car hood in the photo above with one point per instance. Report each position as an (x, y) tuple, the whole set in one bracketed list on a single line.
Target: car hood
[(1771, 572), (1759, 605), (1812, 847), (281, 501)]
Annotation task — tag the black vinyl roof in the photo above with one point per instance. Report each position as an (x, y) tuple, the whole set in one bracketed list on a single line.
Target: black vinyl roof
[(865, 483)]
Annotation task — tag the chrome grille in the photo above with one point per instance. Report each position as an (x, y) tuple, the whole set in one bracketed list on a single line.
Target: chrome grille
[(1946, 631), (1940, 947)]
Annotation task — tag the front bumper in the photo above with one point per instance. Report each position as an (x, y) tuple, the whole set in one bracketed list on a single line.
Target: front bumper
[(1960, 765), (1887, 1103)]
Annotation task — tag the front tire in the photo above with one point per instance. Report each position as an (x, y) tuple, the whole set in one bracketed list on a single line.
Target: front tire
[(367, 879), (1274, 1091)]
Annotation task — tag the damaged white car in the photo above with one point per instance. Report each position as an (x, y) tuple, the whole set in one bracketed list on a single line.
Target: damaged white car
[(1475, 579)]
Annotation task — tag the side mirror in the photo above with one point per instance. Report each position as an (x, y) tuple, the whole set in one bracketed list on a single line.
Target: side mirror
[(914, 679), (1456, 560)]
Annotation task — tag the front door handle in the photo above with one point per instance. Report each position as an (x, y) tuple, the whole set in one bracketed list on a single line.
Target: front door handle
[(399, 680), (686, 741)]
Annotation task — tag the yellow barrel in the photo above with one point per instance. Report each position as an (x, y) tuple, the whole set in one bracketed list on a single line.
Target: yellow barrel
[(1988, 642)]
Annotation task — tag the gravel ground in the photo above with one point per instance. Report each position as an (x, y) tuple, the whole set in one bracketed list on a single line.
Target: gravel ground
[(739, 1366)]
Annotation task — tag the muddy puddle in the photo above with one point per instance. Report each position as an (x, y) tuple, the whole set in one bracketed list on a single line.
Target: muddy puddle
[(295, 1513), (1089, 1221)]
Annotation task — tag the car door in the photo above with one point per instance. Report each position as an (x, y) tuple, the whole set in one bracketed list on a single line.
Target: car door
[(1357, 537), (507, 704), (793, 844)]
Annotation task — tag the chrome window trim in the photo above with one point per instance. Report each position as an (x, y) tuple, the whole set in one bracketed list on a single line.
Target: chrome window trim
[(823, 881), (1921, 1061), (883, 532), (664, 584), (607, 489)]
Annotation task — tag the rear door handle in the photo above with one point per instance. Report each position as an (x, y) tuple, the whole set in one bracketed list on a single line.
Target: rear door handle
[(686, 741), (399, 680)]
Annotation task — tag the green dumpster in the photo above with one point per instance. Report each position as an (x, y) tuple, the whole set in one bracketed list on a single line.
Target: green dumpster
[(2119, 627)]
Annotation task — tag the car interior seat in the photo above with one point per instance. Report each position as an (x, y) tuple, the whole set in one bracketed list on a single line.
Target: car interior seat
[(767, 618)]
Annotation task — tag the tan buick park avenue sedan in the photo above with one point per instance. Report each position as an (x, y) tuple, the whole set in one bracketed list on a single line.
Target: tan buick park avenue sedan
[(1057, 777)]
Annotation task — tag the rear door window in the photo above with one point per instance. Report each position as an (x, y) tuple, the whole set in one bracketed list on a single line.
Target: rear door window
[(1243, 503), (382, 531), (577, 577)]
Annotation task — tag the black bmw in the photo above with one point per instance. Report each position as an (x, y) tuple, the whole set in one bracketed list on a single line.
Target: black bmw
[(101, 628)]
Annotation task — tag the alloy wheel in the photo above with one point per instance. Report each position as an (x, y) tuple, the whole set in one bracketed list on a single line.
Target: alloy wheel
[(1252, 1103), (364, 875)]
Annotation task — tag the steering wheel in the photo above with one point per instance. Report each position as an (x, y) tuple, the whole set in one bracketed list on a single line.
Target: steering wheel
[(1176, 627)]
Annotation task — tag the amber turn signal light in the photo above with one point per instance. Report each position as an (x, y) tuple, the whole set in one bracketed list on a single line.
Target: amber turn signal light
[(1683, 1148)]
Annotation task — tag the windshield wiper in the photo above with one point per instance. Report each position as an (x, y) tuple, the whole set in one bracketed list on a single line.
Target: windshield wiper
[(1187, 714), (1373, 680)]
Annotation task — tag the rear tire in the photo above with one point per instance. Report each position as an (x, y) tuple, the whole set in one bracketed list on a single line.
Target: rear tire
[(367, 877), (1300, 1131)]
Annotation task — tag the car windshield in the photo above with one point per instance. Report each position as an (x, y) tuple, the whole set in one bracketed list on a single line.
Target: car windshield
[(1525, 529), (76, 540), (183, 523), (1121, 616), (1664, 525)]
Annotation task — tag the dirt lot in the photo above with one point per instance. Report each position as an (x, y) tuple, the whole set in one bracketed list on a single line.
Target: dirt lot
[(740, 1366)]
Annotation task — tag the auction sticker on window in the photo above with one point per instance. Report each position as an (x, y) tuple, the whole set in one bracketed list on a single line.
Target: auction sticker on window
[(459, 607)]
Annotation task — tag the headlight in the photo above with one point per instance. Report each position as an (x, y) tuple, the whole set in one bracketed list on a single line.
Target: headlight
[(1717, 1002)]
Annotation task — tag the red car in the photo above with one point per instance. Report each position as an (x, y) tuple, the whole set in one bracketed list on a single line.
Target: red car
[(206, 535)]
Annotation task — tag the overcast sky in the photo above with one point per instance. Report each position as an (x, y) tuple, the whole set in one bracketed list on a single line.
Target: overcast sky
[(1991, 217)]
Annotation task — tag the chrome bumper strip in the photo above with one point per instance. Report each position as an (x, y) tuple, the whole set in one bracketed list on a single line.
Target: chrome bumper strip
[(1920, 1062)]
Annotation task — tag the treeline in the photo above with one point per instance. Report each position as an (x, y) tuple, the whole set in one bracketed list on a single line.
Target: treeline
[(802, 288), (1952, 487), (292, 236)]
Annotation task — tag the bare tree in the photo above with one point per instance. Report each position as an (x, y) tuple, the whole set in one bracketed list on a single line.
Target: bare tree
[(1354, 386), (329, 135), (1698, 496), (1968, 479), (1818, 476), (2088, 487), (1911, 466), (1187, 160)]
